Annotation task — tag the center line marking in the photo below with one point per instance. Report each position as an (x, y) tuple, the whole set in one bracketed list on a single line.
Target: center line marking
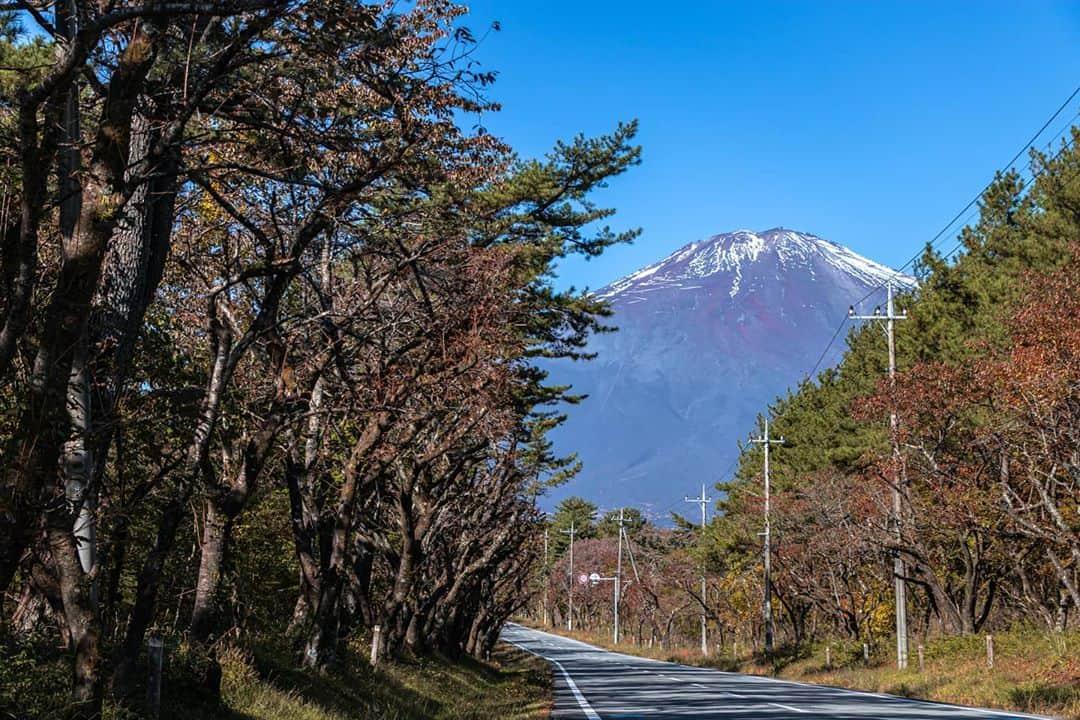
[(788, 707)]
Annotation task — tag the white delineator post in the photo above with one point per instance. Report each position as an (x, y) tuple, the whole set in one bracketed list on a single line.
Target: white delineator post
[(376, 639)]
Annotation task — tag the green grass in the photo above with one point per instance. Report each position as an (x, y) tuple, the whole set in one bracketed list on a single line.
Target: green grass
[(1034, 671), (262, 683), (512, 685)]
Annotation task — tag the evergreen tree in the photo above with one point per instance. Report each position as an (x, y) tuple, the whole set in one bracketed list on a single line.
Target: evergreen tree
[(578, 511)]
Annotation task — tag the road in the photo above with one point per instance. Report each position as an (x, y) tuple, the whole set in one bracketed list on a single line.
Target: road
[(596, 684)]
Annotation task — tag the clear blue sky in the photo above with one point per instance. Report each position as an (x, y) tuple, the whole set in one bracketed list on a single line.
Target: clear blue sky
[(867, 123)]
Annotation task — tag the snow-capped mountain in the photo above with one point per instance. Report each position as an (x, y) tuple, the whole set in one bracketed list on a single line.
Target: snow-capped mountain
[(707, 338)]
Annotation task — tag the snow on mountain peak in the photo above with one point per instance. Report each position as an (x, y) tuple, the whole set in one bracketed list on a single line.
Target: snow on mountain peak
[(730, 253)]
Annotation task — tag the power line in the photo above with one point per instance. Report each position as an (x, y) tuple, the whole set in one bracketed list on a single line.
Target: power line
[(1011, 162), (721, 476), (1036, 175), (821, 357), (941, 233), (1027, 146)]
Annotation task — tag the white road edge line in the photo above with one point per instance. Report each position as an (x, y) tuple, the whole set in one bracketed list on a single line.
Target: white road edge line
[(581, 701)]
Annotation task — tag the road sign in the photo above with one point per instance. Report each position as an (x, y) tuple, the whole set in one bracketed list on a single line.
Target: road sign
[(583, 579), (594, 578)]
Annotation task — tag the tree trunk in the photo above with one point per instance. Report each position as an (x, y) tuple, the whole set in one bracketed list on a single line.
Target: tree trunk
[(304, 520), (321, 646), (215, 531), (412, 633), (40, 599), (82, 624), (357, 598)]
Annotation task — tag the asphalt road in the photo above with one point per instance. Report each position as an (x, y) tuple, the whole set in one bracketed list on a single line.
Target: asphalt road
[(596, 684)]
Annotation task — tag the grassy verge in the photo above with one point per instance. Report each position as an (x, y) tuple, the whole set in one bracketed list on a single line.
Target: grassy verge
[(1034, 671), (262, 682)]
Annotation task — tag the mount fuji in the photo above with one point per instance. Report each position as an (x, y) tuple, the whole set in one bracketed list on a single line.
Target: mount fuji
[(707, 337)]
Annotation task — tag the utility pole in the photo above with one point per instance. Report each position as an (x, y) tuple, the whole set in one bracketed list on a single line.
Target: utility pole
[(899, 571), (618, 578), (547, 574), (765, 441), (703, 501), (570, 587)]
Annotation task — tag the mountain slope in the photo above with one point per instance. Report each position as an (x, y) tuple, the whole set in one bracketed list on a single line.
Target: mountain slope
[(707, 337)]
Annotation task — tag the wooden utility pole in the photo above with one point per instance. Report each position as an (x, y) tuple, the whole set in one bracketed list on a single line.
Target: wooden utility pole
[(899, 571), (703, 501), (570, 587), (765, 441)]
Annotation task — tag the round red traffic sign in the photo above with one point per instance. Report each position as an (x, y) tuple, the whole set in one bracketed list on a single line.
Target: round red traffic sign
[(583, 579)]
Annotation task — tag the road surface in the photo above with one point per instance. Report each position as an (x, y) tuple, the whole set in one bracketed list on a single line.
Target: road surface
[(596, 684)]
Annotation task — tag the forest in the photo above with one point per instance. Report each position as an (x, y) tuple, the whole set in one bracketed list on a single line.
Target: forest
[(987, 467), (273, 305)]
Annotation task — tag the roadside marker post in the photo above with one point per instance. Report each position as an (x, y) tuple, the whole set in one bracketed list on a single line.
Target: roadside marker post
[(376, 638)]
